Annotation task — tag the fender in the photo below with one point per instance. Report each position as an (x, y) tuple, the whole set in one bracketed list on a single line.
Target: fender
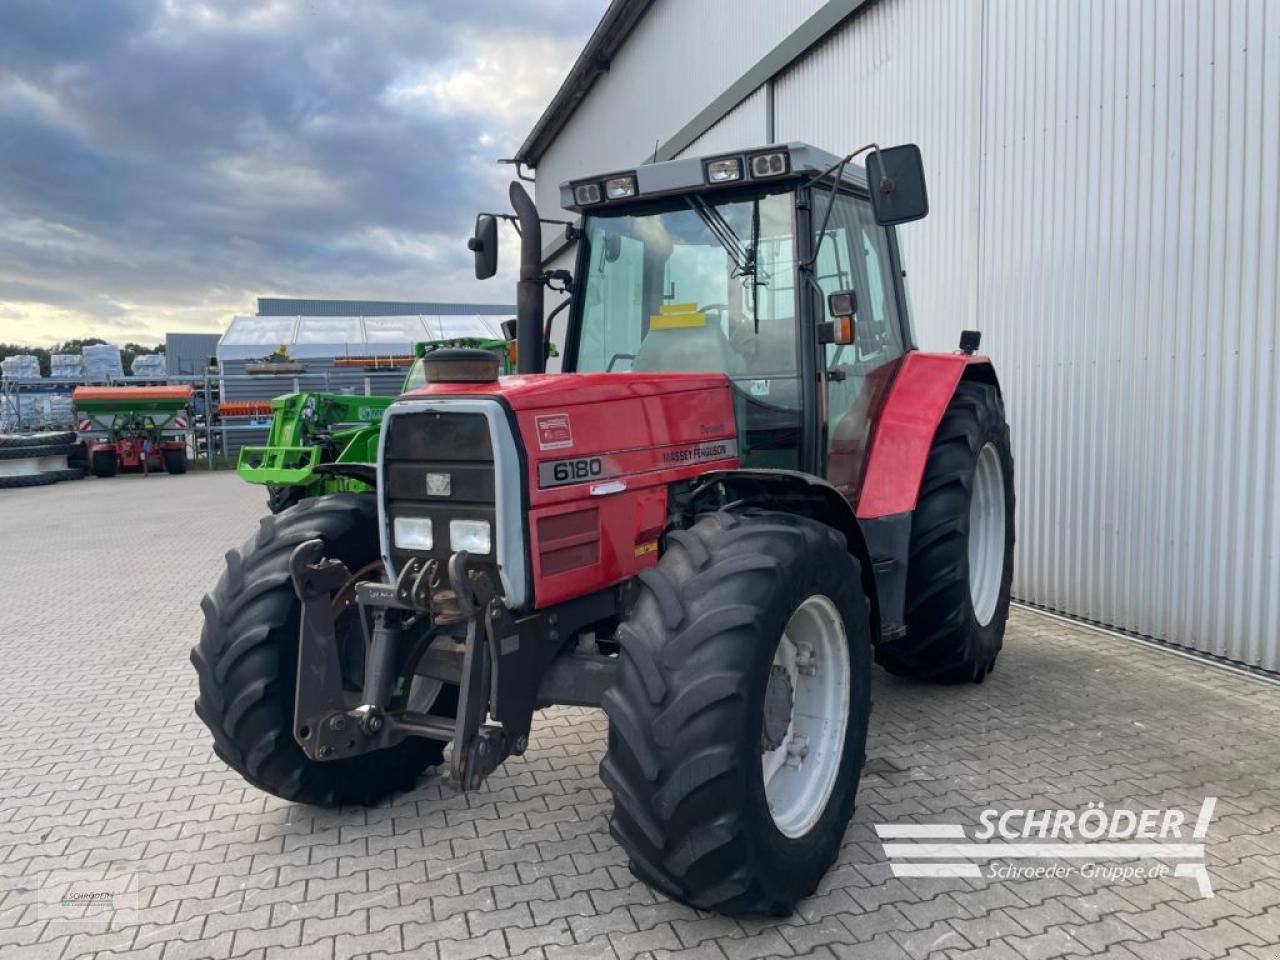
[(908, 420), (806, 495)]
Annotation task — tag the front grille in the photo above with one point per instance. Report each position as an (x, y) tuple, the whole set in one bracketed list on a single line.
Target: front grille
[(457, 445)]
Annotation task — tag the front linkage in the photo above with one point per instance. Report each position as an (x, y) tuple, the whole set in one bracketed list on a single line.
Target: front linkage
[(461, 633)]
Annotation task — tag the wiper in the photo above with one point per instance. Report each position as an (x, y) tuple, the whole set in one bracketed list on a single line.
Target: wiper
[(743, 260)]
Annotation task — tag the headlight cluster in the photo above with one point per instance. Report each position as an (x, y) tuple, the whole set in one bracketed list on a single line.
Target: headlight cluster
[(417, 533)]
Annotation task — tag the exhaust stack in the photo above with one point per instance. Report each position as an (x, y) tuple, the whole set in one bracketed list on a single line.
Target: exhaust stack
[(531, 352)]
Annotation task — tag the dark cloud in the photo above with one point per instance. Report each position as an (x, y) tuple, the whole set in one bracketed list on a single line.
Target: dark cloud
[(166, 155)]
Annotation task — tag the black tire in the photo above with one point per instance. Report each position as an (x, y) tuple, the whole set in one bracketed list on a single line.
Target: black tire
[(78, 458), (41, 450), (27, 480), (175, 461), (246, 662), (104, 463), (945, 642), (280, 499), (685, 717), (37, 439)]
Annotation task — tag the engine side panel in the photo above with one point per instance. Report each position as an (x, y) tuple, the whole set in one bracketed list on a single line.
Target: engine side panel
[(904, 430)]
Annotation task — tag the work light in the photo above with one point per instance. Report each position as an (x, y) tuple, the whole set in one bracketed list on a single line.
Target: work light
[(586, 193), (413, 533), (724, 171), (771, 164), (619, 188)]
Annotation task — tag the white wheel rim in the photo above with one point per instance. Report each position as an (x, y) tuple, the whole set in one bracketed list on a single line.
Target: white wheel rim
[(986, 534), (800, 772)]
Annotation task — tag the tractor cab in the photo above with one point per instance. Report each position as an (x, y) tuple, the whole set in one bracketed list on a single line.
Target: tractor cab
[(777, 267)]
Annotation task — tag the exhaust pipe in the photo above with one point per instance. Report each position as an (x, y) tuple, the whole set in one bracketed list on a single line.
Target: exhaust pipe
[(531, 352)]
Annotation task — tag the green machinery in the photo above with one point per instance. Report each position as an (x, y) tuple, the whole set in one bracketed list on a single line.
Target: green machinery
[(322, 443)]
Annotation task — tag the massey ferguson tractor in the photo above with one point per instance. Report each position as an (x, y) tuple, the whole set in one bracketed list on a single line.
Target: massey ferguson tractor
[(744, 485)]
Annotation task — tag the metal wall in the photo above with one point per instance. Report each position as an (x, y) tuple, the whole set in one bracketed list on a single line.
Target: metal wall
[(1103, 182), (680, 56)]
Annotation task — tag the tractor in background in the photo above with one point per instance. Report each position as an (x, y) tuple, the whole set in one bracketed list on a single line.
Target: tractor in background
[(746, 485), (321, 442), (131, 428)]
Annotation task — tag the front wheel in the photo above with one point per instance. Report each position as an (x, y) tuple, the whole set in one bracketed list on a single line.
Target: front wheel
[(175, 460), (960, 561), (738, 725), (104, 463), (247, 659)]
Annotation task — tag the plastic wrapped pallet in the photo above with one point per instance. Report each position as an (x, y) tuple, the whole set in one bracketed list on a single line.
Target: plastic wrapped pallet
[(102, 362), (56, 410), (21, 366), (66, 366), (149, 365)]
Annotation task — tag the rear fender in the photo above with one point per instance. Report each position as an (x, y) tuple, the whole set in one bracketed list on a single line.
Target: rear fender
[(908, 420), (806, 495)]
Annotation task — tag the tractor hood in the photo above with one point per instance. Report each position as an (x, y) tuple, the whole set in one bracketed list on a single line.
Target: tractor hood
[(542, 391)]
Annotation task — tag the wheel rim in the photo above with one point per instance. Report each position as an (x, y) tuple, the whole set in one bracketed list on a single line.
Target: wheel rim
[(810, 682), (986, 534)]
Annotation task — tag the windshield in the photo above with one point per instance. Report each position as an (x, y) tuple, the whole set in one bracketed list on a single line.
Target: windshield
[(695, 284)]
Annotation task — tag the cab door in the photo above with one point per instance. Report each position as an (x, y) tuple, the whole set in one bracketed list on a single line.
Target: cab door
[(854, 254)]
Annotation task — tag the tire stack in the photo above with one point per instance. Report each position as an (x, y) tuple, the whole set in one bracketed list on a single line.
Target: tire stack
[(37, 459)]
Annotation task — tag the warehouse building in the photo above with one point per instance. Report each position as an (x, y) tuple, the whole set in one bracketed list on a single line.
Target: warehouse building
[(1103, 183)]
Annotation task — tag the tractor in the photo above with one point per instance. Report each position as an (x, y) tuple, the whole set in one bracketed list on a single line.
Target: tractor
[(744, 487), (321, 443)]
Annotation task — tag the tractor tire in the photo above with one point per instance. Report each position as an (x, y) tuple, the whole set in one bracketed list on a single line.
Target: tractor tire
[(280, 499), (104, 463), (28, 480), (246, 662), (694, 715), (37, 439), (960, 560), (175, 461), (41, 450), (78, 458)]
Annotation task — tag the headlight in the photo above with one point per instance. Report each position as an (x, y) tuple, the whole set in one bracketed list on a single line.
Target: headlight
[(473, 536), (413, 533)]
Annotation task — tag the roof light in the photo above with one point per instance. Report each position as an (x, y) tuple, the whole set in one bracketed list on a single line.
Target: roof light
[(587, 193), (724, 171), (619, 188), (770, 164)]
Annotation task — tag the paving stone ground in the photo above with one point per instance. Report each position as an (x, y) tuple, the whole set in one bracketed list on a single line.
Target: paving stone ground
[(106, 773)]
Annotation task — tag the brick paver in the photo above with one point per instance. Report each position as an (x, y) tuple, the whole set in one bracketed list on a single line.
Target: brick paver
[(104, 769)]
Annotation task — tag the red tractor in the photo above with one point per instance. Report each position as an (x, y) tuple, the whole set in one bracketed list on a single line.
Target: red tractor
[(744, 487)]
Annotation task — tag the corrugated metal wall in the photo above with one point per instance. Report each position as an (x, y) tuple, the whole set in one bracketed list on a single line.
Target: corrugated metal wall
[(1128, 286), (679, 58), (1103, 180)]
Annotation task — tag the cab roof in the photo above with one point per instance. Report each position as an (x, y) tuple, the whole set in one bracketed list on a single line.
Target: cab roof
[(689, 174)]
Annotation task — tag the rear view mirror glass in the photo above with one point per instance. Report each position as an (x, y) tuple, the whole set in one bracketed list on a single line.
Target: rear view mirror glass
[(484, 244), (895, 178)]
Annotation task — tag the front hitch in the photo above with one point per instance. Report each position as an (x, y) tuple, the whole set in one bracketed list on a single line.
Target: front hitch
[(326, 727)]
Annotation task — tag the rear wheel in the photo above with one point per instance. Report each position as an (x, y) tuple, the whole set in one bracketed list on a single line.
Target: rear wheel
[(104, 463), (175, 460), (961, 555), (737, 727), (247, 657)]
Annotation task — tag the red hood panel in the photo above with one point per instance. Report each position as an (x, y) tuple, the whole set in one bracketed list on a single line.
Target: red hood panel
[(539, 391)]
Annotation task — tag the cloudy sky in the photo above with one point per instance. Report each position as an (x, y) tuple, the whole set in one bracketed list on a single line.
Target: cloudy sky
[(164, 162)]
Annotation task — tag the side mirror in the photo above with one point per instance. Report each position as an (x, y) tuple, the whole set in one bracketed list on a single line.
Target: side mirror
[(896, 179), (484, 244), (508, 328), (841, 305)]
